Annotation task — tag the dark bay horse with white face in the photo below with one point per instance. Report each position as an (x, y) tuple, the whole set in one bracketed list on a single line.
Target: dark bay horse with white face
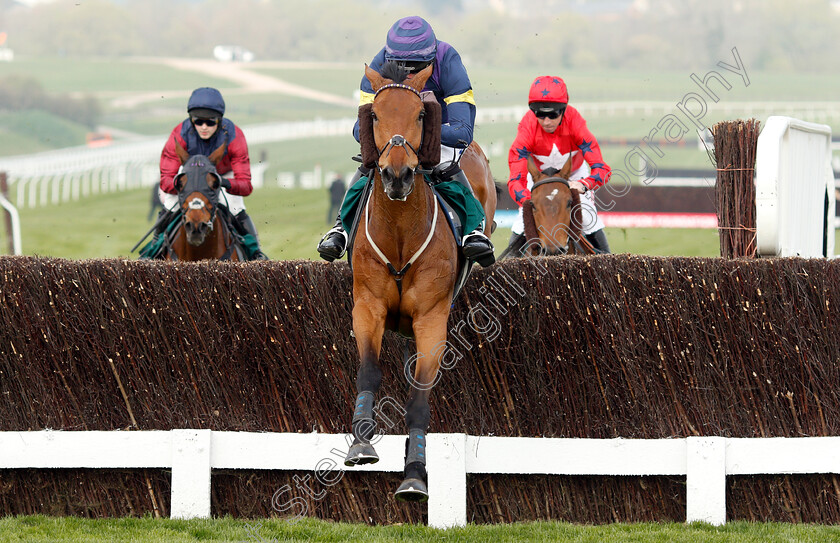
[(405, 261), (203, 234)]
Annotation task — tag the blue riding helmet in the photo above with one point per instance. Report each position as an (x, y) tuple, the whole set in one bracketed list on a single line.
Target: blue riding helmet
[(207, 98), (411, 39)]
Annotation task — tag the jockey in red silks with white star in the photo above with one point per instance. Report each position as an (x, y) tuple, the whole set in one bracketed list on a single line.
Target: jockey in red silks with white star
[(554, 132)]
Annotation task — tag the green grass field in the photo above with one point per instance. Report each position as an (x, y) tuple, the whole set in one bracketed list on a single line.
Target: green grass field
[(290, 222), (74, 530)]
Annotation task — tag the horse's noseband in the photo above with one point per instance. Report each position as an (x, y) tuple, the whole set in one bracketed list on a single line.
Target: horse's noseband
[(398, 140), (555, 179), (198, 203)]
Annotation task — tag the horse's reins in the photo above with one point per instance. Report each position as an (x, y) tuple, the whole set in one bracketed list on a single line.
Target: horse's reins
[(550, 180), (398, 140)]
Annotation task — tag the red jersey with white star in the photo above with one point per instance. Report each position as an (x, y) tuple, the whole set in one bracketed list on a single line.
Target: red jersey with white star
[(571, 139)]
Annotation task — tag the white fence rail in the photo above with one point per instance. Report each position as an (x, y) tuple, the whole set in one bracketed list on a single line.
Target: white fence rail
[(794, 183), (69, 174), (193, 454)]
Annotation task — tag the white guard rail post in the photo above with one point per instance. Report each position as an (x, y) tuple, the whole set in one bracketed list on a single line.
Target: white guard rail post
[(794, 185), (15, 222)]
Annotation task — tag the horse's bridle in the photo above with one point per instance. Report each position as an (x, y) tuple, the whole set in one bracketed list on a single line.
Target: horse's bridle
[(197, 203), (550, 180), (398, 140)]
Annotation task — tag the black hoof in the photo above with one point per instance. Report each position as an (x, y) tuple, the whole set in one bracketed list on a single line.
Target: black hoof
[(412, 490), (360, 454)]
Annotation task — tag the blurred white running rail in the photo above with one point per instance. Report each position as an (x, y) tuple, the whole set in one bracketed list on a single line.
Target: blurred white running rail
[(75, 172)]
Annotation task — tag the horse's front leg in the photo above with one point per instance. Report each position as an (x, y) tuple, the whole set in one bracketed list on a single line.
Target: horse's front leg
[(430, 333), (368, 327)]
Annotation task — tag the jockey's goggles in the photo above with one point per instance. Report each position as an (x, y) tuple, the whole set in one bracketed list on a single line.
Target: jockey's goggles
[(550, 111), (414, 66), (206, 122)]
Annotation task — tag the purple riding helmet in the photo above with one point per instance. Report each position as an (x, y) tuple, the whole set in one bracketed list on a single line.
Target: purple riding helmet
[(411, 40)]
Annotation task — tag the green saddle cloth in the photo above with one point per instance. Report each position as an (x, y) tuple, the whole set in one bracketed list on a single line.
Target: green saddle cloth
[(467, 207), (154, 248)]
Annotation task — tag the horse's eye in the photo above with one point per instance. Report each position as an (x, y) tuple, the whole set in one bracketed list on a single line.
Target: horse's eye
[(421, 116), (373, 116)]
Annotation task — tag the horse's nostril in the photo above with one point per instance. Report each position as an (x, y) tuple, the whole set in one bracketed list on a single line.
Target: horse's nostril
[(406, 174)]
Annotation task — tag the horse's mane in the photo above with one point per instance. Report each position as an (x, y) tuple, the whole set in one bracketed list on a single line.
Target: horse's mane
[(393, 71)]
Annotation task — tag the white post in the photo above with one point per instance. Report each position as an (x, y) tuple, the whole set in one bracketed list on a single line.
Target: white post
[(190, 473), (706, 480), (14, 218), (447, 467)]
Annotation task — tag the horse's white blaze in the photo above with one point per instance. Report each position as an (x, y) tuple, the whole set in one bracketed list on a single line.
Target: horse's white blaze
[(552, 195), (196, 203)]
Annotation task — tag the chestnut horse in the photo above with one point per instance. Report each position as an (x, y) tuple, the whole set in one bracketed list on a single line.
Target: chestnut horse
[(405, 262), (203, 234), (552, 217)]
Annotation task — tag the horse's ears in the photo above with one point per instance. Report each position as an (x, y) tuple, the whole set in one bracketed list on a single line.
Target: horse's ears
[(217, 155), (376, 80), (533, 169), (566, 169), (179, 181), (182, 153), (213, 180), (419, 81), (370, 155)]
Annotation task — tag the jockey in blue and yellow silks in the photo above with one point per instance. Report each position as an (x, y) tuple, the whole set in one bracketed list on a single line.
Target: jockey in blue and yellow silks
[(411, 43)]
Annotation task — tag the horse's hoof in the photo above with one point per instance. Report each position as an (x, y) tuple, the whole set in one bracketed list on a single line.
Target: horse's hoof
[(412, 490), (360, 454)]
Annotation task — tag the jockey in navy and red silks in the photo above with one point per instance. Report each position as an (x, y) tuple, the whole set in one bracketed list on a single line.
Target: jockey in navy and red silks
[(204, 131), (412, 43), (553, 132), (207, 103)]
